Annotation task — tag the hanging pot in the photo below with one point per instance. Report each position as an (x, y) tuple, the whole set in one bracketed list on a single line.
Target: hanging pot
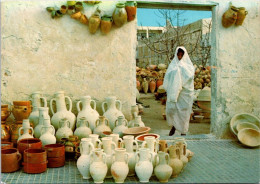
[(241, 15), (83, 19), (76, 15), (106, 24), (229, 17), (131, 10)]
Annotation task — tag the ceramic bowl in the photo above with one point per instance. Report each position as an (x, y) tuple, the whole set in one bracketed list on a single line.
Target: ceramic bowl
[(140, 138), (198, 117), (243, 118), (249, 137), (135, 131), (241, 126)]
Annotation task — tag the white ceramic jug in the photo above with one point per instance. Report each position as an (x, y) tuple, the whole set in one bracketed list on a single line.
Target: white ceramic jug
[(137, 122), (43, 113), (47, 133), (101, 126), (174, 161), (116, 139), (120, 125), (152, 144), (95, 141), (26, 127), (83, 131), (162, 170), (64, 131)]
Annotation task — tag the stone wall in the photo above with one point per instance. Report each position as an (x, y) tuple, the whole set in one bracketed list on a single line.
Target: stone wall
[(44, 54)]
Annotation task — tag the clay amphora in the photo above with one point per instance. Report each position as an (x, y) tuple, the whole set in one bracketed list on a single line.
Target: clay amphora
[(174, 161), (62, 111), (159, 82), (64, 131), (112, 111), (21, 112), (26, 127), (120, 15), (162, 170), (47, 133), (5, 132), (106, 24), (101, 126), (120, 125), (119, 168), (229, 17), (94, 22), (152, 86), (87, 111), (83, 131), (43, 114), (145, 86), (95, 141), (83, 162), (138, 85), (163, 145), (241, 15), (10, 159), (152, 144), (131, 10), (137, 122)]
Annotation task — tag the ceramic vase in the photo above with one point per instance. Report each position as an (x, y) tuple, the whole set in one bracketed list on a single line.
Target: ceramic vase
[(98, 166), (120, 125), (152, 144), (183, 158), (162, 170), (43, 114), (145, 86), (137, 122), (83, 131), (101, 126), (131, 7), (144, 166), (83, 162), (116, 139), (112, 111), (152, 86), (159, 82), (26, 127), (87, 111), (95, 141), (119, 168), (175, 161), (64, 131), (62, 111), (48, 134), (120, 15)]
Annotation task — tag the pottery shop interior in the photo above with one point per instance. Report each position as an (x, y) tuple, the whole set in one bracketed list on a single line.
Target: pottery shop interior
[(130, 91)]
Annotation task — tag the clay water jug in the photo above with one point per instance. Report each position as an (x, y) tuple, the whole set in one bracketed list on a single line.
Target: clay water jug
[(128, 143), (47, 133), (87, 111), (183, 158), (152, 144), (112, 111), (95, 141), (175, 161), (120, 15), (229, 17), (26, 127), (43, 113), (106, 24), (36, 103), (145, 85), (119, 168), (152, 86), (5, 132), (64, 131), (144, 166), (134, 111), (120, 125), (62, 111), (137, 122), (83, 162), (101, 126), (131, 7), (162, 170), (94, 22), (116, 139), (83, 131), (109, 148), (98, 166), (241, 15)]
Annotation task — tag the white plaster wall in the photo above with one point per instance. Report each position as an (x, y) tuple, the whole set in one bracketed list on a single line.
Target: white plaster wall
[(44, 54)]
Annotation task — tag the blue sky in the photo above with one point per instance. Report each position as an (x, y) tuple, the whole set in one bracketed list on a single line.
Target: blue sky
[(149, 17)]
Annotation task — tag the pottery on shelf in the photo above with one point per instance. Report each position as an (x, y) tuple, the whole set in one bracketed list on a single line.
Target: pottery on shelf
[(112, 112), (83, 131), (47, 134), (174, 161), (95, 141), (87, 111), (26, 127), (137, 122), (43, 113), (120, 15), (162, 170), (101, 126), (62, 111), (152, 144), (10, 159), (120, 125), (64, 131)]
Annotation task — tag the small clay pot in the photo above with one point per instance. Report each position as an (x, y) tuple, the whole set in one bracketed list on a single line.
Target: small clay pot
[(76, 15), (94, 22), (106, 24), (71, 10), (63, 9), (54, 150), (6, 145), (22, 103), (35, 156), (10, 159), (30, 143), (83, 19), (56, 161), (21, 112), (5, 114), (78, 6), (34, 168), (5, 132)]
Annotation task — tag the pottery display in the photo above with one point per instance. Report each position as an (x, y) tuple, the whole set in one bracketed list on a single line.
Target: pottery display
[(229, 17), (152, 144), (241, 15), (21, 112), (6, 145), (87, 111), (35, 161), (119, 168), (32, 143), (98, 166), (94, 22), (120, 125), (55, 155), (163, 145), (174, 161), (26, 127), (134, 111), (106, 24), (135, 131), (249, 137), (128, 143), (120, 15), (95, 141), (152, 86), (112, 111), (43, 113), (47, 134), (101, 126), (130, 8), (116, 139), (62, 111), (137, 122), (83, 162), (64, 131), (145, 86), (144, 166), (83, 131), (162, 170), (183, 157), (10, 159), (5, 132)]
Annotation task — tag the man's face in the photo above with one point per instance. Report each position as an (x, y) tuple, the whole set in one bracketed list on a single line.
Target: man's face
[(180, 55)]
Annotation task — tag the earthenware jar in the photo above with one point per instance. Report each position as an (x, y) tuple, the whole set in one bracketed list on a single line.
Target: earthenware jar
[(71, 9), (98, 166), (119, 168), (21, 112), (87, 111), (83, 163), (116, 139), (55, 155), (95, 141), (120, 125), (229, 17), (64, 131), (128, 143), (175, 161), (241, 15), (112, 111), (83, 131), (101, 126), (159, 82), (106, 24), (35, 161), (134, 111), (137, 122), (94, 22), (78, 6), (5, 132), (144, 166), (145, 85), (162, 170), (43, 114), (10, 159), (183, 158), (131, 10), (120, 15), (33, 143), (152, 144), (26, 127), (152, 86), (48, 134), (109, 147), (63, 9), (6, 145), (163, 145), (62, 111)]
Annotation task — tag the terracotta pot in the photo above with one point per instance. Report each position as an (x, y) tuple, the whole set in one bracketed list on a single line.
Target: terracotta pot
[(6, 145), (54, 150), (5, 114), (229, 17), (10, 160), (106, 24), (35, 156), (94, 22), (152, 86), (54, 162), (131, 10), (22, 103), (4, 107), (83, 19), (5, 132), (14, 132), (30, 143), (21, 112), (138, 85), (78, 6), (63, 9), (76, 15), (34, 168), (241, 15), (159, 82)]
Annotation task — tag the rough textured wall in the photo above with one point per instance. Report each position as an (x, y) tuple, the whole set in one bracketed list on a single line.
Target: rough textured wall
[(44, 54)]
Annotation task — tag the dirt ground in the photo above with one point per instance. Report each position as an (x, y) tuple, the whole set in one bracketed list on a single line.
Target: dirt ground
[(152, 117)]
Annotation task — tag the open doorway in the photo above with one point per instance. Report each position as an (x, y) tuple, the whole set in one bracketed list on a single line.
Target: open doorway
[(159, 32)]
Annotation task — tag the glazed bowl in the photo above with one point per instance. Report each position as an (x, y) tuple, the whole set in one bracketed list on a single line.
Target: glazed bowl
[(140, 138), (241, 126), (249, 137), (135, 131)]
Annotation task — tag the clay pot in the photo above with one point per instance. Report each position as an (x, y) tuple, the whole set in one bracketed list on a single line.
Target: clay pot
[(120, 15), (26, 133), (94, 22), (34, 168), (229, 17), (78, 6), (101, 126), (163, 171), (5, 114), (5, 132), (174, 161), (63, 9), (34, 156), (152, 86), (136, 122), (10, 160), (6, 145), (22, 103), (95, 141), (152, 144), (71, 9), (32, 143), (56, 162), (163, 145), (145, 86), (134, 111), (21, 112), (138, 85), (159, 82), (131, 10), (4, 107), (106, 24), (120, 125), (83, 131), (48, 134), (241, 15), (83, 19), (64, 131), (14, 132), (76, 15), (55, 155)]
